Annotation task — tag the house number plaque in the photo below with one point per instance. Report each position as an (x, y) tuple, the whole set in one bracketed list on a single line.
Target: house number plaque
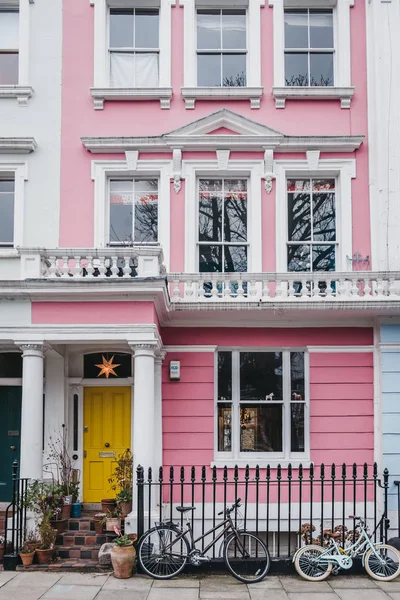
[(106, 454), (13, 432)]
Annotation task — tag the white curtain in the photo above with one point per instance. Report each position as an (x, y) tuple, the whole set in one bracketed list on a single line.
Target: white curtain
[(134, 70)]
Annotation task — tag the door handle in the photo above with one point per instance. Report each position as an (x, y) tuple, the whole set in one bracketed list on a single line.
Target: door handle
[(107, 445), (13, 448), (84, 454)]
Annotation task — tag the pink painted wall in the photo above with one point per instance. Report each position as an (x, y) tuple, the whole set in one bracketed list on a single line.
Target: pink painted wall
[(51, 313), (146, 118)]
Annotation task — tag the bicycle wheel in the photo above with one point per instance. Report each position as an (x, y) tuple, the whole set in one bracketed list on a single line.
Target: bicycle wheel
[(247, 557), (385, 566), (308, 565), (161, 554)]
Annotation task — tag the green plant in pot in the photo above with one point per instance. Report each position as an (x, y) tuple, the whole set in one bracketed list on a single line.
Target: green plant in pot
[(112, 520), (67, 476), (123, 555), (27, 553), (47, 540), (121, 481)]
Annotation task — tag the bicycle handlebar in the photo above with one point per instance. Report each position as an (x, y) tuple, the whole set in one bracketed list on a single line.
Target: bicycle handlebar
[(234, 506)]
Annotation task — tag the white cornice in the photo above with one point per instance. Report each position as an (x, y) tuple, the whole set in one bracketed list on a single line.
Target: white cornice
[(21, 92), (21, 145), (99, 95), (344, 94)]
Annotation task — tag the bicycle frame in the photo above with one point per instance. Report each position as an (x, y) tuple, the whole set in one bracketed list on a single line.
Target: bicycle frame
[(227, 525)]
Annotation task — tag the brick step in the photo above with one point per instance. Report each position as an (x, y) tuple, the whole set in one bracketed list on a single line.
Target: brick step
[(70, 565), (83, 552), (81, 538)]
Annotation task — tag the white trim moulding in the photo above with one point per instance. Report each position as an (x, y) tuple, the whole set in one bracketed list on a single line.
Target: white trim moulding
[(100, 95), (17, 145), (344, 94), (21, 92)]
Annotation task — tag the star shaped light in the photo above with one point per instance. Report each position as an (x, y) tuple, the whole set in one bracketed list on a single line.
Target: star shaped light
[(107, 368)]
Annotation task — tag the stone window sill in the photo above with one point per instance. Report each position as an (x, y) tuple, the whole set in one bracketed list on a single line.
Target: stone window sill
[(191, 94), (344, 94), (21, 92), (261, 462), (8, 252), (99, 95)]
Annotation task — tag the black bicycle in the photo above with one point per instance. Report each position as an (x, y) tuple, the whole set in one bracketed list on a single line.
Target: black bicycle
[(165, 549)]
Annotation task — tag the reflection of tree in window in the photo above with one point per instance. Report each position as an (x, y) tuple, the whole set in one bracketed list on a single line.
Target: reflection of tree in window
[(133, 211)]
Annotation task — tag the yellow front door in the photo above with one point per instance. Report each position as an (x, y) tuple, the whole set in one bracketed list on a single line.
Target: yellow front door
[(107, 433)]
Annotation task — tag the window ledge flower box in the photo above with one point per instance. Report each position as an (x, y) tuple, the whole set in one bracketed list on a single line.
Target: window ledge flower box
[(99, 95), (344, 94), (191, 94)]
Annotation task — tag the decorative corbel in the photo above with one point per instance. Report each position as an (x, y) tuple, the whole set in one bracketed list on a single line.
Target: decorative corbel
[(269, 174), (177, 169), (313, 159), (132, 159), (223, 159)]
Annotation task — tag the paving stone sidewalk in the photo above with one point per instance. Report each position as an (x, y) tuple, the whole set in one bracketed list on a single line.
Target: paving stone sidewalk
[(61, 586)]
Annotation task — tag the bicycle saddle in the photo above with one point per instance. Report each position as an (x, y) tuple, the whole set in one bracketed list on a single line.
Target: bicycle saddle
[(183, 509)]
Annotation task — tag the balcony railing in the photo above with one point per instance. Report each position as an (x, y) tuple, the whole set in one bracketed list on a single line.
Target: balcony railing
[(359, 286)]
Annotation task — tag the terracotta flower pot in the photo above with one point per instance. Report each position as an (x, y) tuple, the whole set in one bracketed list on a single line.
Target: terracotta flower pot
[(98, 527), (108, 504), (59, 525), (113, 522), (27, 558), (66, 511), (44, 556), (125, 507), (123, 559)]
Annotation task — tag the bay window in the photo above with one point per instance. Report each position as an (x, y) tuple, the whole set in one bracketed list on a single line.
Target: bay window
[(133, 211), (261, 400), (134, 48), (222, 231)]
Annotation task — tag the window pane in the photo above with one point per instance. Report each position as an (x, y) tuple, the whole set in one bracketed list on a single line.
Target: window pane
[(210, 211), (296, 69), (10, 364), (324, 258), (324, 217), (321, 66), (224, 427), (9, 30), (297, 376), (121, 201), (9, 68), (224, 375), (208, 30), (261, 428), (146, 70), (233, 70), (146, 29), (146, 222), (260, 375), (321, 29), (296, 29), (209, 70), (122, 69), (210, 259), (121, 28), (297, 427), (7, 212), (233, 30), (235, 217), (235, 259), (299, 258), (299, 216)]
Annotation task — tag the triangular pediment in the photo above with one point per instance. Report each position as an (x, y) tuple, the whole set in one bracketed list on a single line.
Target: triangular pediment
[(229, 122)]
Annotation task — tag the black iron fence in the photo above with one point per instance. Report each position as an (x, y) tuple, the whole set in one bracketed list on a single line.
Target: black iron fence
[(284, 506), (15, 519)]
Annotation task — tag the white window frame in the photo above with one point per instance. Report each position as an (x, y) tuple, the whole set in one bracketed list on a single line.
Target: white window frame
[(253, 171), (18, 171), (343, 171), (235, 457), (342, 90), (23, 91), (102, 90), (131, 179), (103, 170), (253, 91), (223, 244)]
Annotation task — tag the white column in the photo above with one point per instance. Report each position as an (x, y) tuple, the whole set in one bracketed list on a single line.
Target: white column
[(158, 435), (32, 410), (143, 405)]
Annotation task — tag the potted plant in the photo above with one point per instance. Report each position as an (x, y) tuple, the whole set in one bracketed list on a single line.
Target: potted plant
[(123, 556), (47, 540), (99, 522), (66, 475), (2, 546), (57, 521), (27, 554), (32, 540), (108, 504), (121, 481), (112, 519), (124, 501)]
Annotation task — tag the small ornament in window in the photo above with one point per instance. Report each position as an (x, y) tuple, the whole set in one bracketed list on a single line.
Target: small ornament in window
[(107, 367)]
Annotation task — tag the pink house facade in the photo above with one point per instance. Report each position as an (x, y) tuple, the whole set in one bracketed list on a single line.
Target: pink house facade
[(214, 243)]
